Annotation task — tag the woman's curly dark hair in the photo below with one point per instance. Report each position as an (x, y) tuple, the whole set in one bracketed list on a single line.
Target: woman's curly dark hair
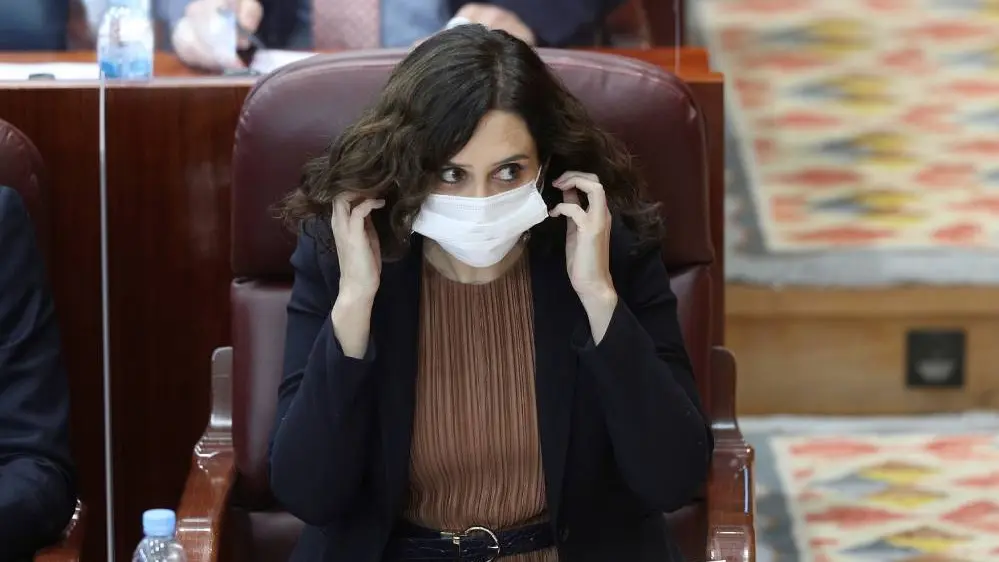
[(428, 111)]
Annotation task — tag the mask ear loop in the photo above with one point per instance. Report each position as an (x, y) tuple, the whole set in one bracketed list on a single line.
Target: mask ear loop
[(539, 183)]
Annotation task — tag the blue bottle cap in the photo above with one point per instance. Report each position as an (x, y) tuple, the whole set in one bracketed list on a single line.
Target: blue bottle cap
[(159, 523)]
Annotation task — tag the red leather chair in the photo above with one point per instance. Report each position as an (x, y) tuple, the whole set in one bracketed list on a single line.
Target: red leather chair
[(22, 169), (226, 511)]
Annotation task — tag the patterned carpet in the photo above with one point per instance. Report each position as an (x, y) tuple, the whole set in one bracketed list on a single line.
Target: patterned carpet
[(924, 490), (863, 137)]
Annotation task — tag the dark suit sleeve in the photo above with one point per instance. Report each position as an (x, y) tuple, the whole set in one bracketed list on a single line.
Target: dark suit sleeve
[(286, 24), (325, 411), (37, 494), (558, 23), (661, 438), (38, 25)]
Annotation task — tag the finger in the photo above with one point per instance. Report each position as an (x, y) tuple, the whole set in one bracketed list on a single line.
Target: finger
[(593, 189), (341, 214), (571, 196), (361, 212), (369, 230), (369, 225), (249, 14), (343, 202), (350, 197), (571, 210), (578, 174)]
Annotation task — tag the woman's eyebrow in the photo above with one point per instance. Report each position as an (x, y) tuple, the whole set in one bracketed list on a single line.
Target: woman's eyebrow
[(510, 159), (506, 160)]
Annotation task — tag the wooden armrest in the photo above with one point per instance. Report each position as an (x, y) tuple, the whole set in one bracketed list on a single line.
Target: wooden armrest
[(731, 495), (202, 509), (67, 549)]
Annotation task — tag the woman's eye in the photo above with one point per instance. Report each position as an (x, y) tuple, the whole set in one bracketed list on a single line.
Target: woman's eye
[(452, 175), (510, 172)]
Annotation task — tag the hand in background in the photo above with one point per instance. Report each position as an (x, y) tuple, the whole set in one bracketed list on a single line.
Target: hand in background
[(190, 37), (495, 17)]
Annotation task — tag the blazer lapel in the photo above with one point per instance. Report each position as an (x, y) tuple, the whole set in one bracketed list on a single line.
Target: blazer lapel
[(556, 312), (395, 327)]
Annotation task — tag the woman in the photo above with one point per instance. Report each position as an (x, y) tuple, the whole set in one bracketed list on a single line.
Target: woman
[(481, 362)]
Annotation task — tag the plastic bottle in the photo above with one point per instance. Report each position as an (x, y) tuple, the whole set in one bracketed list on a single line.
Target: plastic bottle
[(159, 545), (125, 41)]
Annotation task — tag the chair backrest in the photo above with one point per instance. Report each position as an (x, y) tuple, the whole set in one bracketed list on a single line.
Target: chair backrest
[(291, 116), (23, 170)]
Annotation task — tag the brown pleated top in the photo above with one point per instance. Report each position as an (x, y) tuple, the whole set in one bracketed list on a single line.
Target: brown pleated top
[(476, 454)]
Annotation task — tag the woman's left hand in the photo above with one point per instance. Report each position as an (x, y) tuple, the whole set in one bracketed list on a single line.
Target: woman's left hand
[(587, 248)]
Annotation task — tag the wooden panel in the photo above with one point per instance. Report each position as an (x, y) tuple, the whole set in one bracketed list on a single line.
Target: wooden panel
[(763, 303), (63, 123), (815, 351), (169, 149)]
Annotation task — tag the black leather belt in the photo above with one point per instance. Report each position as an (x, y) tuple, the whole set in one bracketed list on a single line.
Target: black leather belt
[(412, 543)]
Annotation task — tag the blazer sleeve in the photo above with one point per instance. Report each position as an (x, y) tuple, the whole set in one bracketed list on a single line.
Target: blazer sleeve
[(558, 23), (660, 434), (325, 402), (37, 480)]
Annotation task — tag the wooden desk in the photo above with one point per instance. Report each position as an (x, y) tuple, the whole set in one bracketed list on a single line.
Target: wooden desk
[(164, 65), (169, 147)]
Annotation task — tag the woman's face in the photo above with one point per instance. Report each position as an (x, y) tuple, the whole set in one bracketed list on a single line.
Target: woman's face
[(500, 156)]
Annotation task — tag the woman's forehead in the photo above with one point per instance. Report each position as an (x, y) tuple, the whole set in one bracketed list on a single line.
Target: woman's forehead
[(498, 136)]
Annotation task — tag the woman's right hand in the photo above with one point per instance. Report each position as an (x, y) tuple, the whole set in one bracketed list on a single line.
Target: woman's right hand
[(357, 249)]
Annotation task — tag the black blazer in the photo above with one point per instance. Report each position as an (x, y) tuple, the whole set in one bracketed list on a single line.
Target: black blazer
[(37, 493), (623, 435)]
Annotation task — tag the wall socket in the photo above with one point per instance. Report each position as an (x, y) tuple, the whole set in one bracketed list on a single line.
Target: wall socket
[(934, 358)]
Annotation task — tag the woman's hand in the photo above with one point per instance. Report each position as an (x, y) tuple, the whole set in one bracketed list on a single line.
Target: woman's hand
[(359, 256), (587, 247), (357, 249)]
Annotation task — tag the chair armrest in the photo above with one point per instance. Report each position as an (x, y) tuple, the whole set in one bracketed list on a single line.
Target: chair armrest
[(68, 548), (731, 493), (201, 514)]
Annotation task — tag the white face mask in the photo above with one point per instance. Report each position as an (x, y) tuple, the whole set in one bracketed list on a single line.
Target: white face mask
[(481, 231)]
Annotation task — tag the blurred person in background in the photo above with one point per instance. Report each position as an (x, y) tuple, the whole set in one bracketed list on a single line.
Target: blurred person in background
[(33, 25), (328, 25), (37, 486)]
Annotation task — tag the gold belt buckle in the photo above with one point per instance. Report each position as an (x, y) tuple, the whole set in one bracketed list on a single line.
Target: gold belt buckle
[(456, 539)]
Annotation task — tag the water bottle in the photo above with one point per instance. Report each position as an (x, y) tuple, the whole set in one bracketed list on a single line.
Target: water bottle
[(125, 41), (159, 545)]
